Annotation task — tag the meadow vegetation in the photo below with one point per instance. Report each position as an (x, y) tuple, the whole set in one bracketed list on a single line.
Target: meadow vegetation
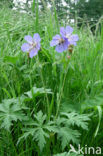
[(52, 100)]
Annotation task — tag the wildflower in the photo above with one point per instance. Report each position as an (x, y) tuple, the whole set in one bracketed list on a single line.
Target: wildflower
[(65, 40), (61, 43), (32, 46), (67, 33)]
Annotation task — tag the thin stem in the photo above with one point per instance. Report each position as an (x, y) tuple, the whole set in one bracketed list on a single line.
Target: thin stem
[(61, 91), (60, 95), (44, 88)]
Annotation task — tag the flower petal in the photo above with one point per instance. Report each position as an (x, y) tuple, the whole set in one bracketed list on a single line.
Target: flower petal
[(62, 31), (55, 40), (29, 39), (62, 47), (74, 37), (72, 40), (69, 30), (65, 45), (36, 37), (25, 47), (38, 46), (33, 52), (73, 43), (56, 37), (54, 43), (59, 48)]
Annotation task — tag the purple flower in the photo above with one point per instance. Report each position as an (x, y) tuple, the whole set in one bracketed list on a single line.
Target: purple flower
[(67, 33), (61, 43), (32, 46)]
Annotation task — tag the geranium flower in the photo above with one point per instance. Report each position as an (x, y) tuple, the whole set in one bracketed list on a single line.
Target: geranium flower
[(32, 46), (64, 40), (61, 43), (67, 33)]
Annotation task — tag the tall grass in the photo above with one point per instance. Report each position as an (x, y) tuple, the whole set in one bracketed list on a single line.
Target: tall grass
[(61, 84)]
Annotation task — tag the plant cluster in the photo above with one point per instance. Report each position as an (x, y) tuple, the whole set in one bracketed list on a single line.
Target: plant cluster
[(53, 101)]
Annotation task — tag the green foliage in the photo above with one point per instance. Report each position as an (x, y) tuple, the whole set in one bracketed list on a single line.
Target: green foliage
[(41, 129), (50, 92), (10, 111), (65, 132), (6, 3), (66, 135), (91, 10), (76, 119), (11, 59), (67, 154), (93, 102), (37, 92)]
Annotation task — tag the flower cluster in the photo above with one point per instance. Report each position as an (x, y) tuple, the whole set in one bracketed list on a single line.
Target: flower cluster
[(62, 41)]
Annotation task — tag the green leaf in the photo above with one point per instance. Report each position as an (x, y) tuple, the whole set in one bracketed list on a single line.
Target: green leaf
[(76, 119), (37, 92), (39, 129), (11, 59), (100, 117), (93, 102), (40, 136), (65, 123), (10, 110), (66, 135)]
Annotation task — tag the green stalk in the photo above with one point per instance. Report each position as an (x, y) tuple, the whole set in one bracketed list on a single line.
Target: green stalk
[(33, 6), (41, 75), (61, 90), (37, 17)]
